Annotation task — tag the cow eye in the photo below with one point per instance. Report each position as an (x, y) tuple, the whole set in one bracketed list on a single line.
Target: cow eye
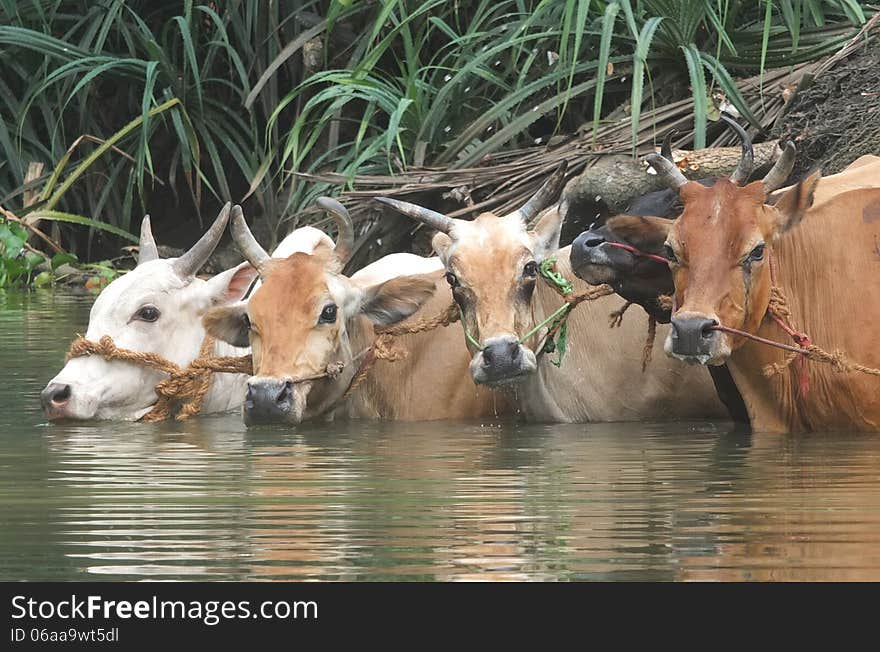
[(530, 270), (669, 254), (147, 314), (452, 280), (757, 253), (328, 314)]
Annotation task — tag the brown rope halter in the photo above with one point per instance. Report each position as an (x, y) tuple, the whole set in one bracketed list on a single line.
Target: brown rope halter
[(181, 394)]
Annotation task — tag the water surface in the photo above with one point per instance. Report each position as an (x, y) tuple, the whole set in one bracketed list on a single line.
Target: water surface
[(208, 499)]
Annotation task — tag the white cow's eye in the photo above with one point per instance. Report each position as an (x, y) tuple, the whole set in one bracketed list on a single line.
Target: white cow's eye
[(147, 313)]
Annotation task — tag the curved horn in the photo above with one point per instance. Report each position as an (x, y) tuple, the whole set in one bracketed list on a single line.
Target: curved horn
[(190, 262), (246, 242), (344, 227), (546, 195), (667, 170), (147, 249), (424, 215), (781, 169), (746, 164), (666, 147)]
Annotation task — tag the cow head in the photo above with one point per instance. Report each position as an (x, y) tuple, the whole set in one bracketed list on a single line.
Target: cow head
[(596, 258), (492, 266), (301, 319), (718, 250), (157, 308)]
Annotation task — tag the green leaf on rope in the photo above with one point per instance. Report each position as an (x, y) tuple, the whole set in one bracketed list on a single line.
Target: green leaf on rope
[(555, 277), (565, 287), (561, 343)]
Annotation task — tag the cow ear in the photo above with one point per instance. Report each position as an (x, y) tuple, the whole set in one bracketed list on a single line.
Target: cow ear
[(546, 232), (228, 324), (441, 243), (396, 299), (231, 285), (792, 205), (642, 232)]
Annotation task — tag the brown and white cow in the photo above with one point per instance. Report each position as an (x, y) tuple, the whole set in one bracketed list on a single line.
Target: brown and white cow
[(826, 258), (492, 265), (307, 316)]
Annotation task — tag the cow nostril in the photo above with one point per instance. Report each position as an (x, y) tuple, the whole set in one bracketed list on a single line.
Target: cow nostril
[(593, 241), (285, 394), (488, 355), (708, 327), (61, 395)]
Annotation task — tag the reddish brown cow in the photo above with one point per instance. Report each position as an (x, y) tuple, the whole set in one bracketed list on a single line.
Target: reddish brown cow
[(721, 247)]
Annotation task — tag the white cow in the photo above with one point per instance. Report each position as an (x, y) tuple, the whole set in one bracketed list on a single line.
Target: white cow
[(158, 308)]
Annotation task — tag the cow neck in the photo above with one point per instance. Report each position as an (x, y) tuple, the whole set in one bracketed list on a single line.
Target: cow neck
[(329, 394), (825, 282)]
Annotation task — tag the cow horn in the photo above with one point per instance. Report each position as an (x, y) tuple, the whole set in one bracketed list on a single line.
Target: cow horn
[(424, 215), (746, 164), (147, 249), (667, 170), (344, 227), (781, 169), (546, 195), (246, 242), (666, 147), (190, 262)]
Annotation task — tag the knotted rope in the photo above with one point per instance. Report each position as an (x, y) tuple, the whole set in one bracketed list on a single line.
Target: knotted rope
[(559, 318), (183, 392), (383, 348)]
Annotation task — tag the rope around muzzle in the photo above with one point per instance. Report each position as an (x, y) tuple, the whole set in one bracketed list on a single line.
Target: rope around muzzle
[(182, 394)]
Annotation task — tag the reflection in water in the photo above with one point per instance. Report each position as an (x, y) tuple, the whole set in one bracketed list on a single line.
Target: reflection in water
[(447, 501)]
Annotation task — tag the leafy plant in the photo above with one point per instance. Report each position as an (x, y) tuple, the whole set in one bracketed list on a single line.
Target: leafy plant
[(134, 105)]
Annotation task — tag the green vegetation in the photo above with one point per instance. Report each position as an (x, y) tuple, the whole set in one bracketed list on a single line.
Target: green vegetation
[(138, 103)]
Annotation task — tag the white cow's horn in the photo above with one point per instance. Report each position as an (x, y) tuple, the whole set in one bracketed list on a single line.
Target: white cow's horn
[(246, 242), (147, 249), (190, 262)]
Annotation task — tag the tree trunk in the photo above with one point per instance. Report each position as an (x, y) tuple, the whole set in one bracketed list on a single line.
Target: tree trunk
[(616, 180)]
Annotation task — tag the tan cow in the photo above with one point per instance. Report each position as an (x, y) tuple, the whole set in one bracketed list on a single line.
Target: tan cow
[(827, 267), (307, 317), (492, 264)]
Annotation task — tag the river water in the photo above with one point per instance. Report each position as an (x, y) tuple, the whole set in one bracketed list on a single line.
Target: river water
[(208, 499)]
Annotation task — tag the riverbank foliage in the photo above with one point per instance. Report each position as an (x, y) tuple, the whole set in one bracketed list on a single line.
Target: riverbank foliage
[(117, 108)]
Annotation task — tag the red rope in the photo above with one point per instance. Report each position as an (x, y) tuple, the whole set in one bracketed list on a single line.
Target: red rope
[(636, 252)]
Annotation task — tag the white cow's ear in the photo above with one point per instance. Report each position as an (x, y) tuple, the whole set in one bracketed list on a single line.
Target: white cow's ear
[(545, 234), (228, 324), (231, 285), (396, 299)]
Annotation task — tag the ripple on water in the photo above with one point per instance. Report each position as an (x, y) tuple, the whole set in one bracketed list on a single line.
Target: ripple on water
[(447, 501)]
